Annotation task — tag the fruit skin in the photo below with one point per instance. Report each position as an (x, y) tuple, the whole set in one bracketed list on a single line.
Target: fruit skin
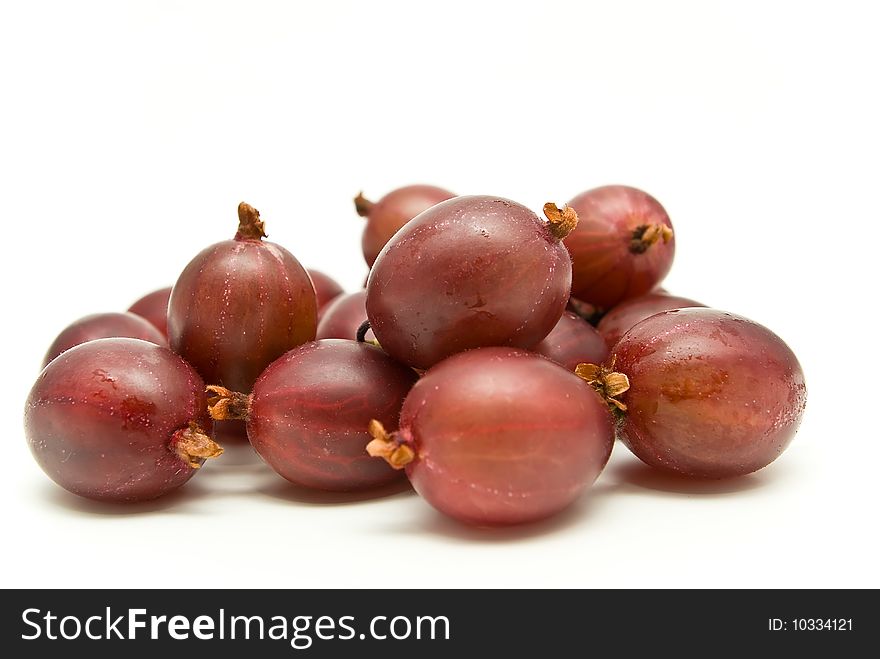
[(391, 212), (503, 436), (100, 418), (605, 269), (573, 341), (469, 272), (343, 317), (104, 326), (326, 289), (154, 307), (625, 315), (310, 411), (238, 306), (712, 394)]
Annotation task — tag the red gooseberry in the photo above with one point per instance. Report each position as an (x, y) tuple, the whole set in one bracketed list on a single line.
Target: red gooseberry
[(309, 412), (625, 315), (119, 420), (622, 247), (706, 394), (154, 307), (343, 317), (239, 305), (104, 326), (572, 342), (498, 436), (467, 273), (326, 289), (386, 216)]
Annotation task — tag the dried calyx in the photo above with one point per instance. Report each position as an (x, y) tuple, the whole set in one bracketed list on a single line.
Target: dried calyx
[(363, 205), (562, 220), (391, 447), (646, 235), (250, 226), (193, 446), (607, 383), (227, 405)]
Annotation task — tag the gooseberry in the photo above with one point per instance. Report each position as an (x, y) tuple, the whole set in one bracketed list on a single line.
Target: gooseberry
[(709, 394), (386, 216), (572, 342), (467, 273), (326, 289), (104, 326), (154, 307), (498, 436), (239, 305), (625, 315), (119, 420), (309, 412), (622, 246)]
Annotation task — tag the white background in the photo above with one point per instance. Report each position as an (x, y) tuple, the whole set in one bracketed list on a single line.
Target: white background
[(130, 132)]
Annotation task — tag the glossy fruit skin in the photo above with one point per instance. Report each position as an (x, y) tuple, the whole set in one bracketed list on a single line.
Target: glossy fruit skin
[(310, 412), (100, 417), (343, 317), (467, 273), (605, 270), (238, 306), (712, 394), (392, 211), (104, 326), (573, 341), (625, 315), (154, 307), (503, 436), (326, 289)]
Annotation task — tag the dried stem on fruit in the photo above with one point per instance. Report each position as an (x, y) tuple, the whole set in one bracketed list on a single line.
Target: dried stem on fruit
[(193, 446), (362, 205), (362, 330), (250, 226), (389, 446), (646, 235), (606, 382), (562, 220), (226, 405), (361, 335)]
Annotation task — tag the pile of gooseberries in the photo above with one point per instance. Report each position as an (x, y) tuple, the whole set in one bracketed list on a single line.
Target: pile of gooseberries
[(492, 358)]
